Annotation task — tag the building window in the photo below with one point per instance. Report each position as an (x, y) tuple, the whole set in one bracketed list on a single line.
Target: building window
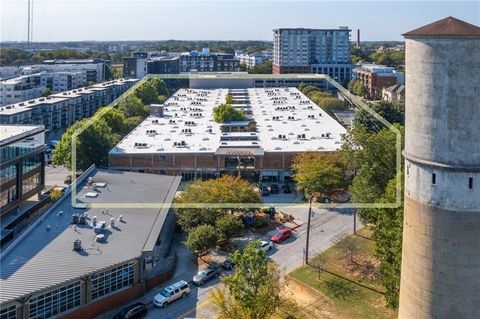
[(8, 173), (32, 163), (9, 312), (8, 195), (30, 183), (112, 280), (470, 182), (55, 302), (434, 178)]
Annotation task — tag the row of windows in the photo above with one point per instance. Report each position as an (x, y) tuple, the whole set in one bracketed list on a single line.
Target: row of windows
[(55, 302), (112, 280), (32, 163), (470, 180), (9, 312)]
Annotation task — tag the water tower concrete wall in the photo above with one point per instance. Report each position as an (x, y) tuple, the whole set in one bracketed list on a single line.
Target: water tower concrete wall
[(441, 236)]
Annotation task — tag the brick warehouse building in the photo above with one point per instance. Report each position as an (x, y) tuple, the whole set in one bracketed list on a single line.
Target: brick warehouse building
[(67, 265), (182, 138), (377, 77)]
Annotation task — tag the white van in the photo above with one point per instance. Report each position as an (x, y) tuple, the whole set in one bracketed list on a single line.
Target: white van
[(171, 293)]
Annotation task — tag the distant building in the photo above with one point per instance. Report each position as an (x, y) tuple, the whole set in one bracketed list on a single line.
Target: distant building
[(251, 60), (59, 111), (82, 262), (376, 77), (94, 69), (324, 51), (394, 93), (22, 164), (140, 64), (21, 88)]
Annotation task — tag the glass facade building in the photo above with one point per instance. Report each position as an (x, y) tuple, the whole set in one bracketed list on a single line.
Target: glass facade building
[(22, 164)]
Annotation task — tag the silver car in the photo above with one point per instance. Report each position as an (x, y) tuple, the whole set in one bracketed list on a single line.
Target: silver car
[(171, 293), (205, 275)]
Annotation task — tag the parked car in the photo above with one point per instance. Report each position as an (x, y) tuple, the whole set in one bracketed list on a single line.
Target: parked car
[(48, 149), (228, 264), (265, 191), (286, 189), (265, 245), (281, 235), (171, 293), (205, 275), (137, 310), (54, 143), (274, 189)]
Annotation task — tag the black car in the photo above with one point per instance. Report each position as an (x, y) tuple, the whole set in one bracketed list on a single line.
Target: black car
[(274, 189), (137, 310), (228, 264), (265, 191), (287, 189)]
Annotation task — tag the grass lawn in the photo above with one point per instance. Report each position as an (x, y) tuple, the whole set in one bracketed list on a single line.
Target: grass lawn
[(336, 296)]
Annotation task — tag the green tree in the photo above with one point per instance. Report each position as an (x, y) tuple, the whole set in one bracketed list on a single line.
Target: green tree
[(132, 106), (317, 172), (147, 92), (388, 246), (253, 291), (229, 99), (359, 88), (392, 112), (116, 120), (225, 190), (262, 68), (201, 238), (227, 113), (47, 92), (92, 145), (228, 227), (309, 88), (372, 156), (328, 104)]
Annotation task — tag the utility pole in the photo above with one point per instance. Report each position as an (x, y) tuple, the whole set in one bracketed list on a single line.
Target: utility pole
[(308, 228)]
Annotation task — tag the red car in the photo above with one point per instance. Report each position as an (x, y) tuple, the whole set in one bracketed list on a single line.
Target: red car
[(281, 235)]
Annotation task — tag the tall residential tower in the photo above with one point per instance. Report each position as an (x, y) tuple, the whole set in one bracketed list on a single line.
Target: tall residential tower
[(441, 235), (324, 51)]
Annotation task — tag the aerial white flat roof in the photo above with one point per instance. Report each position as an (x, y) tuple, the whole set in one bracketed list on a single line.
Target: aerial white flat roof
[(287, 121), (9, 133)]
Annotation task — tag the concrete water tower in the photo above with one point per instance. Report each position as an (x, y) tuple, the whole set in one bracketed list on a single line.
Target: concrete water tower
[(441, 235)]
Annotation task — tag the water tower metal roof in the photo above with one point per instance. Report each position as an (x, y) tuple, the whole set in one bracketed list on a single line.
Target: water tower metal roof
[(449, 26)]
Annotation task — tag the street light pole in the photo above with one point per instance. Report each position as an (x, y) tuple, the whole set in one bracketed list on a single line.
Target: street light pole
[(308, 228)]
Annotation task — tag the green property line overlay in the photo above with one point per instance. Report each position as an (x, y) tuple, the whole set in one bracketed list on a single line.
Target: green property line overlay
[(345, 92)]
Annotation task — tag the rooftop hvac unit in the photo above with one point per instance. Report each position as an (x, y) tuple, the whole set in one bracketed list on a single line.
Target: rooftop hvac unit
[(94, 221), (120, 218), (77, 245), (112, 222)]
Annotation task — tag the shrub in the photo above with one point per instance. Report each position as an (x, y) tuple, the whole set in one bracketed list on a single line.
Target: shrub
[(228, 227), (201, 238)]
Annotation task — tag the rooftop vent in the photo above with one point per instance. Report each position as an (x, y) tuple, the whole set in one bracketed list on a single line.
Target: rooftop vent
[(77, 245), (141, 145)]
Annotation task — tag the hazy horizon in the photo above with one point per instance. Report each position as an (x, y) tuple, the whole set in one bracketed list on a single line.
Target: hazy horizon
[(150, 20)]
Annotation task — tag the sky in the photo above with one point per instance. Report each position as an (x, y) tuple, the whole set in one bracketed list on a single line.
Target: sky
[(117, 20)]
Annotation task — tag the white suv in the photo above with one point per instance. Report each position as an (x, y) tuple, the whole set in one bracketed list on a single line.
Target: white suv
[(171, 293)]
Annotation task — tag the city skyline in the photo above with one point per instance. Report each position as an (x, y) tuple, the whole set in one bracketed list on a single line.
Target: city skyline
[(199, 20)]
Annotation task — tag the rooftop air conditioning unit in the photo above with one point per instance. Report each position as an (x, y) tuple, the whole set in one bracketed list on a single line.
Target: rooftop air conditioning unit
[(77, 245)]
